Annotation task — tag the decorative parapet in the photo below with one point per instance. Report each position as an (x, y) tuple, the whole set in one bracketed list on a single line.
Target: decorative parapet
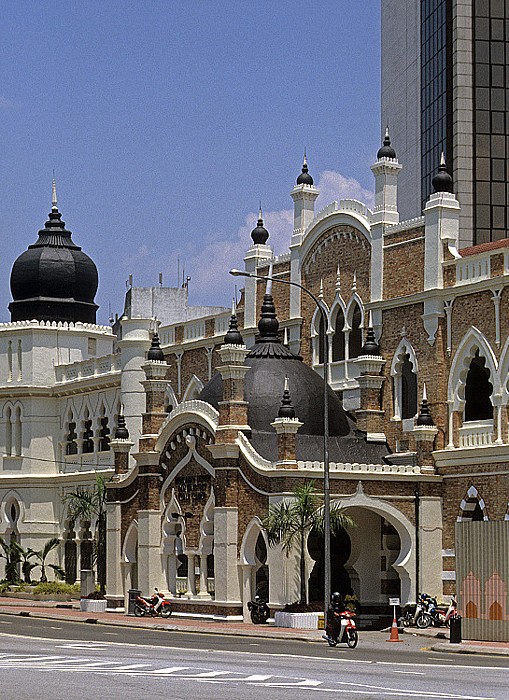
[(93, 367), (408, 225), (477, 433), (473, 269), (356, 468), (196, 406), (276, 260), (344, 205), (251, 454), (60, 325)]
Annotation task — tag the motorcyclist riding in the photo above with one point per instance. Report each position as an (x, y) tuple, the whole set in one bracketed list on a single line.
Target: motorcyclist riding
[(336, 607)]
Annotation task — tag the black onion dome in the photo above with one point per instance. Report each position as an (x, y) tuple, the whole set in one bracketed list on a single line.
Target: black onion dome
[(370, 346), (270, 362), (155, 352), (233, 336), (286, 410), (305, 178), (121, 433), (260, 233), (386, 151), (54, 280), (424, 417), (442, 181)]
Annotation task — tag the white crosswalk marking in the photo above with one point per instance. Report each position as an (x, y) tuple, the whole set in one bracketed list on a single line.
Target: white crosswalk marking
[(213, 674), (168, 671)]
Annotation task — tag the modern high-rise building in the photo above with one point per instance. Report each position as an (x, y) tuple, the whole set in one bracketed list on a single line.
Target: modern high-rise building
[(445, 87)]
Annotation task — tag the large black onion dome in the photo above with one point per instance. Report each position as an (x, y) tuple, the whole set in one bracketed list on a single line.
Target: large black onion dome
[(233, 336), (54, 280), (386, 151), (442, 181), (259, 234), (155, 352), (305, 178), (269, 364)]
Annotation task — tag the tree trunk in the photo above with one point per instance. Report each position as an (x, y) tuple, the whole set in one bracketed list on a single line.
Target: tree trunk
[(302, 571), (101, 552)]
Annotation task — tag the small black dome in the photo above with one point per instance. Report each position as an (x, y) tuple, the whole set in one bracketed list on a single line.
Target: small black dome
[(233, 336), (54, 280), (424, 417), (442, 181), (370, 346), (260, 233), (305, 178), (286, 410), (121, 433), (155, 352), (386, 151)]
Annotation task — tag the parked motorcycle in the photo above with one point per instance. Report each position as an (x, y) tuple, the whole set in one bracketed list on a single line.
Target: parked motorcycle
[(259, 610), (157, 606), (418, 613), (340, 628), (441, 613)]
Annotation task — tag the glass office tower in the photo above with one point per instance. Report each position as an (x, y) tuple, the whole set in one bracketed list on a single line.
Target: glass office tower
[(456, 52)]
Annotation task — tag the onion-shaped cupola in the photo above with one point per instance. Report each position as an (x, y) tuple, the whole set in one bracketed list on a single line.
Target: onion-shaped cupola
[(155, 352), (260, 234), (442, 182), (386, 151), (305, 178), (370, 346), (233, 336), (54, 280), (121, 433)]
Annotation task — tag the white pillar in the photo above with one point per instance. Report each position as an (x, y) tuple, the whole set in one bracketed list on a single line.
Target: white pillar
[(150, 574), (114, 574), (226, 571)]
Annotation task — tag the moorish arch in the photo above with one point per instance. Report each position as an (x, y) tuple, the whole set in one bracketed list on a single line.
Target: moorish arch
[(130, 558), (253, 559), (404, 373), (404, 564), (473, 347), (339, 225), (472, 507)]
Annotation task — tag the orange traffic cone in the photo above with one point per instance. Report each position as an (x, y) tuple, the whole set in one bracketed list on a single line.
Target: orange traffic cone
[(394, 632)]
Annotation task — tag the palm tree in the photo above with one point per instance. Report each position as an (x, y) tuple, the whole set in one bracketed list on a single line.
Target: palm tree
[(12, 553), (289, 523), (85, 504), (41, 555)]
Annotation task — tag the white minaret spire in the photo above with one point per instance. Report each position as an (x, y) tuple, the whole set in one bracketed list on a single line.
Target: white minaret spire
[(54, 193)]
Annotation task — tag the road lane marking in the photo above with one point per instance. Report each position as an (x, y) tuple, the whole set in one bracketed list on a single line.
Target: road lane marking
[(411, 673)]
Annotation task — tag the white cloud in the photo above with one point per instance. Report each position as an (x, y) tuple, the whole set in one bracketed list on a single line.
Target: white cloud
[(208, 267)]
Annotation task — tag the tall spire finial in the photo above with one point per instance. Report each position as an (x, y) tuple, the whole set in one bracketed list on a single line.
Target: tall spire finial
[(338, 280), (386, 151), (260, 214), (286, 410), (424, 417), (260, 234), (54, 192), (320, 293), (354, 281), (442, 181), (305, 178)]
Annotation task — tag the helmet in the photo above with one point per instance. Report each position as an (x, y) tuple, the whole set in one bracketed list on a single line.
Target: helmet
[(336, 598)]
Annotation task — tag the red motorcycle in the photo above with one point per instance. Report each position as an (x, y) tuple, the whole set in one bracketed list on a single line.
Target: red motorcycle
[(341, 628), (157, 606)]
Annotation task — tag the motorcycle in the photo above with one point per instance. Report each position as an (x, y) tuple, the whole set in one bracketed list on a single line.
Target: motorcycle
[(418, 613), (157, 606), (259, 610), (341, 628), (441, 614)]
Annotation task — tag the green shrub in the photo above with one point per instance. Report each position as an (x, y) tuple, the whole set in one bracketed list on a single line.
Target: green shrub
[(55, 588), (4, 586)]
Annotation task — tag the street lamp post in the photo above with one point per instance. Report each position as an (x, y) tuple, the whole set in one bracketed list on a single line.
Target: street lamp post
[(326, 483)]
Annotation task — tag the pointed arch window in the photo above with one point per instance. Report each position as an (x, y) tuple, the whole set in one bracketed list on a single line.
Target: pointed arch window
[(71, 447), (8, 431), (478, 390), (338, 339), (88, 434), (18, 437), (408, 389), (104, 431), (355, 337), (473, 507)]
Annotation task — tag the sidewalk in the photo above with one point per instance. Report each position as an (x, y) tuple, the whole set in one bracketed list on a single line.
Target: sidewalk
[(437, 639)]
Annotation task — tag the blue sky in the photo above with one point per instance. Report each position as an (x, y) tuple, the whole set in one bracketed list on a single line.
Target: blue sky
[(166, 122)]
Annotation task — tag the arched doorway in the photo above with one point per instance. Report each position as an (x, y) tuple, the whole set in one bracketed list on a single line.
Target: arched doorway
[(341, 548)]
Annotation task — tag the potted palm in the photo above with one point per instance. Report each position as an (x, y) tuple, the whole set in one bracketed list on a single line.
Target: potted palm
[(289, 523)]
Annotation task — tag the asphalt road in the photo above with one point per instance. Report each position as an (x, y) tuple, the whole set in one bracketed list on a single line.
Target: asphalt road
[(53, 660)]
